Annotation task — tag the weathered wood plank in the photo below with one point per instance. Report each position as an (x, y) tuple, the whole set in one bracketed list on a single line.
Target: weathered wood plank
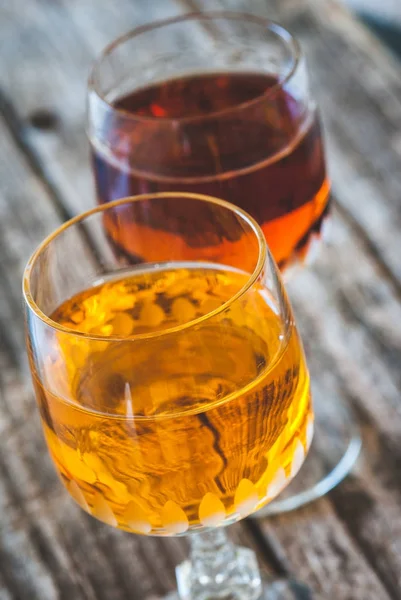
[(349, 358), (58, 90), (347, 329), (346, 362)]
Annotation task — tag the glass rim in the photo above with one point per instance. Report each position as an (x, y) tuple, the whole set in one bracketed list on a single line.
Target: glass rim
[(263, 254), (281, 31)]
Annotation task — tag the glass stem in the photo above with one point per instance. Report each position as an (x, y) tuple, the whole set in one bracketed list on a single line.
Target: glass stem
[(218, 569)]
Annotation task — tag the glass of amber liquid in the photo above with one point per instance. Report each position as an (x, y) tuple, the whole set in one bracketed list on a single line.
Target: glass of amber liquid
[(219, 104), (173, 393)]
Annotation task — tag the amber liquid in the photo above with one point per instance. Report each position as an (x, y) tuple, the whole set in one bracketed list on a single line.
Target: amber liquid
[(236, 136), (181, 427)]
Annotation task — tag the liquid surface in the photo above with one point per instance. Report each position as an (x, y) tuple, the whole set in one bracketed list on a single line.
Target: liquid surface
[(181, 430), (266, 156)]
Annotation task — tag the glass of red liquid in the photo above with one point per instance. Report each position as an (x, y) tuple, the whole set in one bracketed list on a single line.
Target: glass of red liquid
[(219, 104)]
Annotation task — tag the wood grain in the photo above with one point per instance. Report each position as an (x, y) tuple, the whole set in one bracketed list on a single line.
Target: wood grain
[(348, 545)]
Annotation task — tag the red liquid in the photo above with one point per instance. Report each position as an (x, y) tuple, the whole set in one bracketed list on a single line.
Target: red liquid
[(236, 136)]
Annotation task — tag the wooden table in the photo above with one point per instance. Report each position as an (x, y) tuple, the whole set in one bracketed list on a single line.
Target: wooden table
[(348, 545)]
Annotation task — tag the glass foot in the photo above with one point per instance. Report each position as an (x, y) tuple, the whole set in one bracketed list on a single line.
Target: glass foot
[(238, 587), (277, 590), (219, 570), (335, 448), (240, 579)]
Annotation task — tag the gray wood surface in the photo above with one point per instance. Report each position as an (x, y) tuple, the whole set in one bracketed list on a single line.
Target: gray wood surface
[(347, 546)]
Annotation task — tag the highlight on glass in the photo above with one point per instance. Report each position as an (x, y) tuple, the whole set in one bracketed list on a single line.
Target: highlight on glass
[(172, 388)]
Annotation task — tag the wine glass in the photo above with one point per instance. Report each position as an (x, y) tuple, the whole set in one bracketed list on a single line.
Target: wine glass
[(173, 392), (219, 103)]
